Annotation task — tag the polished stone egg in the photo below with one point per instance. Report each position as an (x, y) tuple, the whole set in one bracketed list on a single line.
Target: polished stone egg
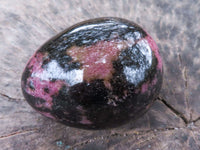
[(97, 74)]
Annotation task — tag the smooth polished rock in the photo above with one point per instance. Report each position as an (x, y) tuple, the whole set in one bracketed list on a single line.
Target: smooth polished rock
[(97, 74)]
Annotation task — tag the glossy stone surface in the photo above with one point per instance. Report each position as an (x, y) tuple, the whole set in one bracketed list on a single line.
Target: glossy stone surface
[(97, 74)]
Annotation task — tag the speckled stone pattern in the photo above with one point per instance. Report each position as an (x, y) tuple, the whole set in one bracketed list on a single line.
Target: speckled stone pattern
[(96, 74)]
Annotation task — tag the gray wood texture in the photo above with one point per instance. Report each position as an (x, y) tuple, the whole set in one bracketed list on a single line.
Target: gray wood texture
[(172, 123)]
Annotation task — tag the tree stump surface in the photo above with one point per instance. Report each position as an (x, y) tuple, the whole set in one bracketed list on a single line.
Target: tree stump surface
[(172, 123)]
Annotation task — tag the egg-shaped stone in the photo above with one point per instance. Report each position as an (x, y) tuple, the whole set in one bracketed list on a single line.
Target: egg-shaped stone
[(97, 74)]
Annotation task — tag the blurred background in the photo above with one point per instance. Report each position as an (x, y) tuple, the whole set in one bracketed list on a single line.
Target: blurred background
[(170, 124)]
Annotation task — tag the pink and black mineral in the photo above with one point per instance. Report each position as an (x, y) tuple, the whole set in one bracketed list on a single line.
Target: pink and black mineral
[(97, 74)]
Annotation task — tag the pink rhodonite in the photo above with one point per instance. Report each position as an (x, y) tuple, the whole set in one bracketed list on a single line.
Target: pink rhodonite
[(97, 74), (97, 59)]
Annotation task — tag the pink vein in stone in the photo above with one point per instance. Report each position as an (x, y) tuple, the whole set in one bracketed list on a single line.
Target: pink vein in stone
[(47, 114), (35, 62), (39, 92), (97, 59), (154, 48), (84, 119), (39, 85), (148, 85)]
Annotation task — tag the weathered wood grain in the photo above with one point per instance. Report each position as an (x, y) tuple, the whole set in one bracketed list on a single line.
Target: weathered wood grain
[(172, 123)]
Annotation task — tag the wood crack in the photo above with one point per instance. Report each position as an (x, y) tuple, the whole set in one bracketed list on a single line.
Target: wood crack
[(50, 26), (195, 120), (138, 134), (18, 133), (11, 98), (185, 79), (179, 114), (125, 134), (180, 59)]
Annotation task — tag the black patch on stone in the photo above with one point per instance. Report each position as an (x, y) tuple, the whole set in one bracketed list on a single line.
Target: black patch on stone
[(33, 101), (45, 62), (46, 90), (53, 80), (118, 80), (132, 57), (104, 116), (150, 73), (26, 74), (31, 85), (88, 94), (64, 107)]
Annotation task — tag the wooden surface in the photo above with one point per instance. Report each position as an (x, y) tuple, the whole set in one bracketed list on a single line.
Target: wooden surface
[(172, 123)]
